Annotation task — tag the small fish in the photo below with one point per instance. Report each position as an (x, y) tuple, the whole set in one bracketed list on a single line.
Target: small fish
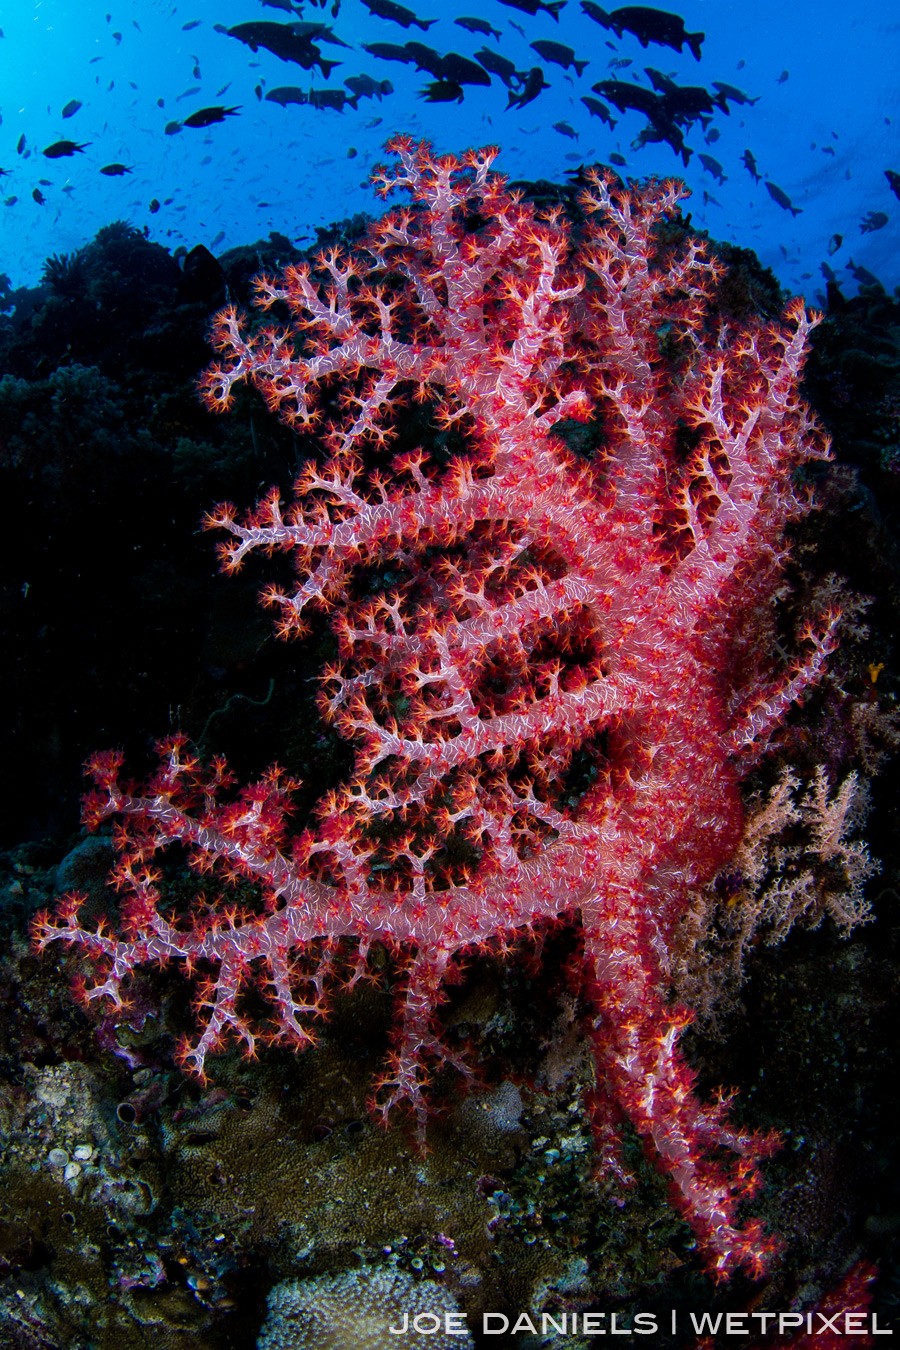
[(39, 196), (479, 26), (893, 182), (20, 144), (207, 117), (189, 93), (115, 170), (619, 160), (598, 109), (10, 201), (749, 162), (387, 51), (461, 70), (551, 7), (498, 65), (534, 84), (619, 63), (559, 54), (191, 23), (173, 128), (285, 94), (442, 91), (596, 13), (726, 92), (59, 149), (154, 206), (828, 150), (328, 98), (713, 166), (863, 275), (874, 220), (782, 199), (712, 136), (363, 86), (783, 77), (834, 243), (71, 108), (389, 9), (565, 130)]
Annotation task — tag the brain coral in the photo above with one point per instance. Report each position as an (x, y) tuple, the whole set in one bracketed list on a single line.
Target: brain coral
[(353, 1311)]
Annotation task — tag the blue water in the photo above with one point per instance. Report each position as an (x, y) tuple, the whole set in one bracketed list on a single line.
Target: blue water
[(824, 128)]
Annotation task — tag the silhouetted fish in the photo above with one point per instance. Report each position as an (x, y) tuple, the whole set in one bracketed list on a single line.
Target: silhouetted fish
[(834, 243), (71, 108), (389, 9), (285, 94), (726, 92), (551, 7), (500, 66), (893, 182), (289, 41), (655, 25), (327, 98), (749, 162), (426, 58), (479, 26), (534, 83), (863, 275), (874, 220), (115, 170), (565, 130), (387, 51), (207, 117), (461, 70), (627, 96), (598, 109), (559, 54), (442, 91), (364, 86), (59, 149), (712, 166), (38, 196), (782, 199)]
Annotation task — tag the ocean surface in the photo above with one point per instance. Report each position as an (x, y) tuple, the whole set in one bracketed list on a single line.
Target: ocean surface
[(789, 159)]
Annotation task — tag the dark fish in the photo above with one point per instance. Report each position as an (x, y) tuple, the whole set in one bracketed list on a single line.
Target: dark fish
[(893, 182), (461, 70), (154, 206), (285, 94), (551, 7), (834, 243), (442, 91), (387, 51), (597, 14), (363, 86), (630, 97), (479, 26), (863, 275), (389, 9), (619, 160), (20, 144), (289, 41), (749, 162), (828, 150), (712, 166), (619, 63), (194, 90), (712, 135), (565, 130), (115, 170), (39, 196), (426, 58), (207, 117), (173, 128), (191, 23), (498, 65), (661, 130), (785, 75), (71, 108), (534, 83), (328, 98), (59, 149), (655, 25), (598, 109), (874, 220), (10, 201), (726, 92), (559, 54), (683, 103), (782, 199)]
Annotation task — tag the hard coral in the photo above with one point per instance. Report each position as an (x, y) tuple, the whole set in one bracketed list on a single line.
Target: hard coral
[(354, 1311), (555, 670)]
